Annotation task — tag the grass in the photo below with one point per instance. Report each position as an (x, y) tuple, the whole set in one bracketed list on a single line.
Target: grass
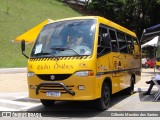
[(16, 17)]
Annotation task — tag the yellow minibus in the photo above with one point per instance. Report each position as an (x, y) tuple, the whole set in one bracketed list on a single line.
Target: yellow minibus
[(81, 59)]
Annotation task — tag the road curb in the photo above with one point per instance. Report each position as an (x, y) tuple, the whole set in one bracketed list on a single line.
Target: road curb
[(13, 70)]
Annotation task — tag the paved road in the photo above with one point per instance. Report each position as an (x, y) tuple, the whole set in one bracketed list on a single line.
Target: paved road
[(18, 101)]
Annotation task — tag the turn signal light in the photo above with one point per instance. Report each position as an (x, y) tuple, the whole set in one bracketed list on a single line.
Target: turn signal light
[(84, 73)]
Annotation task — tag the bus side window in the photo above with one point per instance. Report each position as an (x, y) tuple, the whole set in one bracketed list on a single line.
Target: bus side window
[(113, 38), (122, 42), (130, 44), (103, 41)]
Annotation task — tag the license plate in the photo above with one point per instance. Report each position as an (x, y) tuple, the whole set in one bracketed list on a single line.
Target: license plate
[(53, 93)]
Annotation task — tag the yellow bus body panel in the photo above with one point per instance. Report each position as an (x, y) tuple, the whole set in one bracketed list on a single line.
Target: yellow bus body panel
[(64, 66), (157, 63), (116, 67)]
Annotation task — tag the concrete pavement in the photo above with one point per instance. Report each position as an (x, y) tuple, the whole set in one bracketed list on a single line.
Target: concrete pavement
[(136, 103), (19, 77), (16, 99), (13, 70), (13, 80), (146, 75)]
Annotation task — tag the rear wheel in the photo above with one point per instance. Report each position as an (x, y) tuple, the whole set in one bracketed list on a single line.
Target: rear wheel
[(47, 103), (130, 90), (103, 102)]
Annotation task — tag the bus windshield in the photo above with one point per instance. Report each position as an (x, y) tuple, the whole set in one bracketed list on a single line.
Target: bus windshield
[(65, 38)]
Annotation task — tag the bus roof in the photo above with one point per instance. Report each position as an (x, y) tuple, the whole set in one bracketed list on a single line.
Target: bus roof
[(116, 26), (31, 35), (104, 21)]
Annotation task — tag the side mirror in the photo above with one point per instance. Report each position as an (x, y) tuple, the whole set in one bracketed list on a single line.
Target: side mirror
[(23, 48), (23, 45)]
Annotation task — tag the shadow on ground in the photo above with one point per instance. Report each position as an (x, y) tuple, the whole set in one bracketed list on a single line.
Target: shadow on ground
[(147, 98), (74, 108), (151, 72)]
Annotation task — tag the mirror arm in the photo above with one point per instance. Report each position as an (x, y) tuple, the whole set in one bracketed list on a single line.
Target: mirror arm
[(25, 54), (23, 48)]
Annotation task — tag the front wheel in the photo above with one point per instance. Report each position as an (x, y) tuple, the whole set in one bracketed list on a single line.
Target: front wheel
[(103, 102), (47, 103)]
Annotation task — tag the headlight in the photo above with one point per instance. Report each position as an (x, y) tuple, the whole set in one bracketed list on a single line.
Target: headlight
[(30, 74), (84, 73)]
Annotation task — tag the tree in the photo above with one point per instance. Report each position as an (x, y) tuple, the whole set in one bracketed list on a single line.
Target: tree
[(133, 14)]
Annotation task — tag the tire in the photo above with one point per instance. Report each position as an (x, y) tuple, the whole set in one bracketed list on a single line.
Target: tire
[(130, 90), (104, 101), (47, 103)]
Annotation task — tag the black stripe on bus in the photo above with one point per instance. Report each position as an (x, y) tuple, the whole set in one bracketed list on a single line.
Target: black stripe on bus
[(60, 58), (114, 71)]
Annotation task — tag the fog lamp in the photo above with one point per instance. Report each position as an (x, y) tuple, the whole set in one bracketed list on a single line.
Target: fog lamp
[(30, 74), (31, 87)]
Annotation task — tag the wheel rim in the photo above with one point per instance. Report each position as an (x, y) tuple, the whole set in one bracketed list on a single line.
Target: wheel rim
[(106, 97)]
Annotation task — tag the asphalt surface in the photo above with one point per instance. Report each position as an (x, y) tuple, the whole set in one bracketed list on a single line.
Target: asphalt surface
[(121, 103)]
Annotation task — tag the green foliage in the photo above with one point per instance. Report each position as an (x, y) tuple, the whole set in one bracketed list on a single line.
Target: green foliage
[(133, 14), (17, 16)]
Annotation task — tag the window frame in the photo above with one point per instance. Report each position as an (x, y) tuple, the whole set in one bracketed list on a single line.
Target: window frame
[(114, 30), (103, 52), (123, 40)]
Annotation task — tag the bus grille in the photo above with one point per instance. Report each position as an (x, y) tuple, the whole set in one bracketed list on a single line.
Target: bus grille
[(59, 58), (49, 77), (58, 88)]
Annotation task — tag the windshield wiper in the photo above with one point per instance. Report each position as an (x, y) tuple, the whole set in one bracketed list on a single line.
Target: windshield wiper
[(63, 49), (45, 53)]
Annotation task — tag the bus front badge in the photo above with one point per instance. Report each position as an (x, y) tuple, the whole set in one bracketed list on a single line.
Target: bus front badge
[(52, 77)]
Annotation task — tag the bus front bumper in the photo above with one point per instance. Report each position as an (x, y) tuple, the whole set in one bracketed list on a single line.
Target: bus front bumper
[(54, 83), (74, 88)]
